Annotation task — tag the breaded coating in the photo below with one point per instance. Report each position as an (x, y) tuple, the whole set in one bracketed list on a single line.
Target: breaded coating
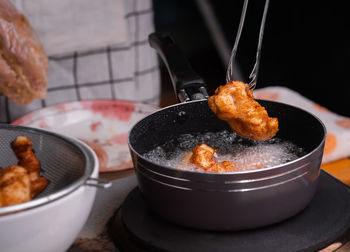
[(235, 103), (38, 185), (20, 183), (225, 166), (25, 154), (23, 149), (202, 156), (14, 185)]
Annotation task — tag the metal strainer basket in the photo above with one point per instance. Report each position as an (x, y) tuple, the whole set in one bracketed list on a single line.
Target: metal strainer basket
[(67, 163)]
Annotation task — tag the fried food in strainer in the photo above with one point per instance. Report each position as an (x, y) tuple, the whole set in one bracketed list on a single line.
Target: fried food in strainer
[(22, 182)]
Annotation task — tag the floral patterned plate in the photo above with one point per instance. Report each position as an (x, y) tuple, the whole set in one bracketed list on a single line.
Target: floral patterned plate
[(102, 124)]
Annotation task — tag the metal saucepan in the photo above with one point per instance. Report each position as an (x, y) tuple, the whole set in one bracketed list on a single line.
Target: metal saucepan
[(225, 201)]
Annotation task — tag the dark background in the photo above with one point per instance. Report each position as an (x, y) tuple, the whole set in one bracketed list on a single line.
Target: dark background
[(305, 47)]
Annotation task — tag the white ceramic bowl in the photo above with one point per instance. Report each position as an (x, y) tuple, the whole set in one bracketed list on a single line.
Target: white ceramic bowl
[(51, 226)]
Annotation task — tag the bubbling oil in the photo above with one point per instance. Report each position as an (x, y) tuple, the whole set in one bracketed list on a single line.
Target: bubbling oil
[(245, 154)]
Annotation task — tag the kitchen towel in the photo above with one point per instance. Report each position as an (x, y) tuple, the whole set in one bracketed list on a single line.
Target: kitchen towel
[(65, 25), (337, 144), (120, 70)]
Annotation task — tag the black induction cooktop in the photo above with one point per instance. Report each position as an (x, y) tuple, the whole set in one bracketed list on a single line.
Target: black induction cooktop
[(327, 218)]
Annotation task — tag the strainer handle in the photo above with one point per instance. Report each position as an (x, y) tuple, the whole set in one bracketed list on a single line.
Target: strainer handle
[(98, 182)]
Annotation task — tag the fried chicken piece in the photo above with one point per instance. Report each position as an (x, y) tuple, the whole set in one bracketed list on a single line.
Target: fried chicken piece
[(38, 185), (202, 156), (23, 149), (225, 166), (235, 103), (25, 154), (20, 183), (14, 185)]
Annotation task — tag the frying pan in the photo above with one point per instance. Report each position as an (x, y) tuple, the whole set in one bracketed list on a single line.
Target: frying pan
[(221, 201)]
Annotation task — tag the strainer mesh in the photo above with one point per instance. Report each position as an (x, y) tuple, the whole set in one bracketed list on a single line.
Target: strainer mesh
[(62, 161)]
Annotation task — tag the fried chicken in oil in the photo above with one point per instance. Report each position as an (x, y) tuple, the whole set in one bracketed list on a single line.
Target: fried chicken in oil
[(202, 156), (22, 182), (235, 103)]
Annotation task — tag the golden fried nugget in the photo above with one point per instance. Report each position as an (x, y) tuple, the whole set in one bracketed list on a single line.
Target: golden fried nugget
[(225, 166), (202, 156), (14, 185), (38, 185), (20, 183), (234, 103), (25, 154)]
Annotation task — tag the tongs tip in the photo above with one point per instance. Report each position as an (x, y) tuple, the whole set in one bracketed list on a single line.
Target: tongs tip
[(254, 74)]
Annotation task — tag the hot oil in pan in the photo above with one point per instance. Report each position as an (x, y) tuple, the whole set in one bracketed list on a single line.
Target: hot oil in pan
[(245, 154)]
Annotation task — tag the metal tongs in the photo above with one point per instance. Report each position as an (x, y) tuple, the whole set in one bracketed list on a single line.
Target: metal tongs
[(254, 74)]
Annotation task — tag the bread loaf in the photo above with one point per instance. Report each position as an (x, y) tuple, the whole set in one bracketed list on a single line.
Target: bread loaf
[(23, 62)]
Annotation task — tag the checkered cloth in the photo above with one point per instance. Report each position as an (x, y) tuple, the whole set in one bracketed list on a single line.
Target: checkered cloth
[(127, 71)]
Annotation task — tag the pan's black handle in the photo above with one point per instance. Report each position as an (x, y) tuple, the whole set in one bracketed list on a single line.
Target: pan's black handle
[(186, 83)]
